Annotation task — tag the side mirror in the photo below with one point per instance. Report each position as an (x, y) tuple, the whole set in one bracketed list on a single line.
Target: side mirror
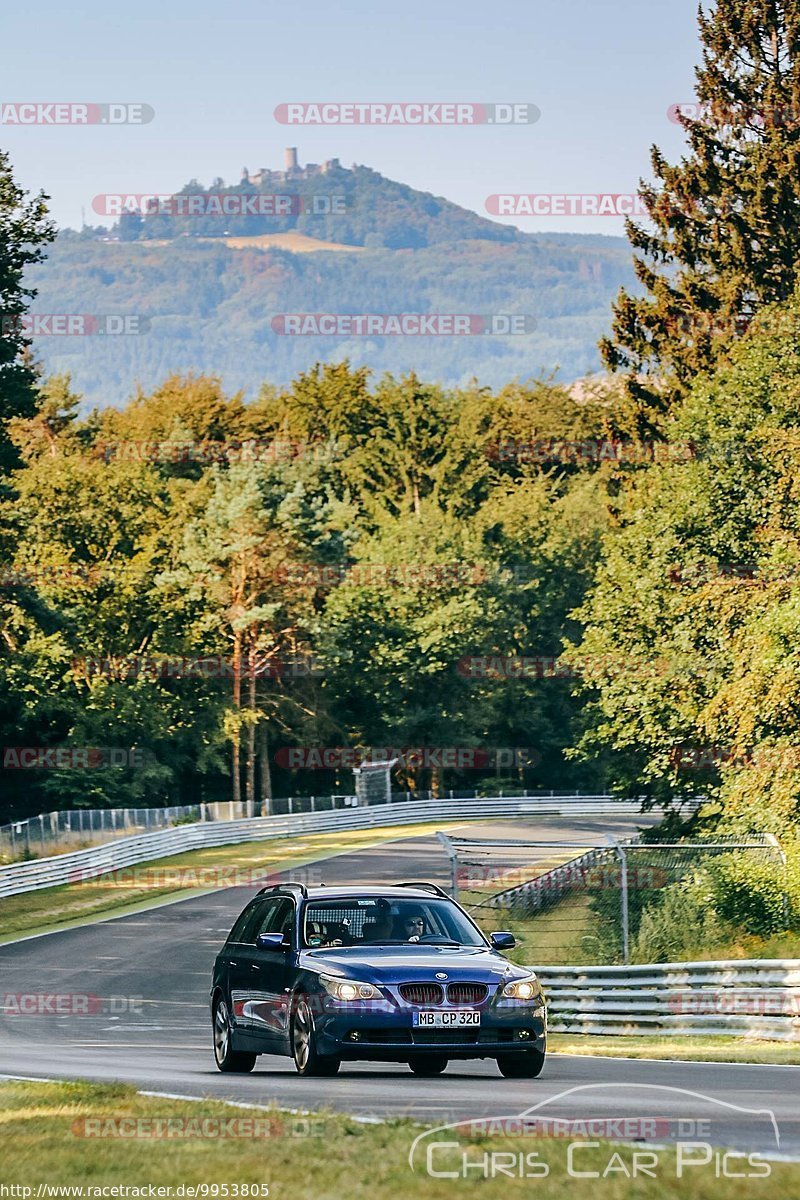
[(502, 941), (273, 941)]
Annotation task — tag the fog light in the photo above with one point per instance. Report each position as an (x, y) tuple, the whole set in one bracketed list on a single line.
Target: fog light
[(523, 1034), (354, 1036)]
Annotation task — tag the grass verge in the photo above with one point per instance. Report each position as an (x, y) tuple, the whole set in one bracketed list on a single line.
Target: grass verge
[(322, 1157), (150, 883), (736, 944), (564, 933), (679, 1049)]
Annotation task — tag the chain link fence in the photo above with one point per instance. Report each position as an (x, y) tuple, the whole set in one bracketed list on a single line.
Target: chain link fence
[(587, 907), (57, 832)]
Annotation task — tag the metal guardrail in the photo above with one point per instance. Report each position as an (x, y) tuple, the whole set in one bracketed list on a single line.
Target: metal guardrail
[(125, 852), (79, 828), (757, 999)]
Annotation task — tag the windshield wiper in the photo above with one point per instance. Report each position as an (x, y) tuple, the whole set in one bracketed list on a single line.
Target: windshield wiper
[(406, 942), (434, 941), (385, 942)]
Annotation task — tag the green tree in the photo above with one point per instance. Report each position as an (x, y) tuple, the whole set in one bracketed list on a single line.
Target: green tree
[(87, 541), (697, 597), (724, 232), (229, 578), (25, 229), (134, 562), (186, 423)]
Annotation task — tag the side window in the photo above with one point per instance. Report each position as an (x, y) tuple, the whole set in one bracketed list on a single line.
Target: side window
[(236, 933), (279, 917), (259, 915)]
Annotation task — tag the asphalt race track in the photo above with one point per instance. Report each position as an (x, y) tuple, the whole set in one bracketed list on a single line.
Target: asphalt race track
[(148, 976)]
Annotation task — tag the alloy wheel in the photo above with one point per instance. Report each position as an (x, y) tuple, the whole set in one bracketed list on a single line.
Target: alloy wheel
[(221, 1031), (301, 1036)]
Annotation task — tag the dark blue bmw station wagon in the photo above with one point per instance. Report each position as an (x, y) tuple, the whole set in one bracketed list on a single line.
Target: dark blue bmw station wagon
[(392, 974)]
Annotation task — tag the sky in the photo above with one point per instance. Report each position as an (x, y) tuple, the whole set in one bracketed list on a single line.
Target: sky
[(602, 72)]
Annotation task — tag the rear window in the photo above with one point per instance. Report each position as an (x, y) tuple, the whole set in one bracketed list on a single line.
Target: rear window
[(372, 920)]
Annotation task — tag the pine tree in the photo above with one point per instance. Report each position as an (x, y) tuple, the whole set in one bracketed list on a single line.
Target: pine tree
[(24, 229), (724, 232)]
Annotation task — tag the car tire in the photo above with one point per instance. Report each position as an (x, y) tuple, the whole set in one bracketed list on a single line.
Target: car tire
[(521, 1066), (428, 1064), (226, 1058), (307, 1059)]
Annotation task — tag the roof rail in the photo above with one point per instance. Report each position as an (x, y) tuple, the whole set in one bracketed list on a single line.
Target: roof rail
[(285, 887), (425, 884)]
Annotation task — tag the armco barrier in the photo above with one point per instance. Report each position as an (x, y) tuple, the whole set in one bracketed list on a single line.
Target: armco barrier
[(126, 852), (757, 999)]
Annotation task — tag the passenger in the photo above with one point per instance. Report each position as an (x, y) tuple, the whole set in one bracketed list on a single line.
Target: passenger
[(338, 934)]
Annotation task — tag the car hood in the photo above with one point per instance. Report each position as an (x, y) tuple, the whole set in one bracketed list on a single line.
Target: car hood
[(399, 964)]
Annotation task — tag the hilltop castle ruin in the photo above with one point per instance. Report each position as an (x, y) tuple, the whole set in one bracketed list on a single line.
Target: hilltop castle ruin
[(292, 170)]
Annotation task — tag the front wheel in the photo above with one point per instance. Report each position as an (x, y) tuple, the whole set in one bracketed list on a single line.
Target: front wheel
[(307, 1059), (226, 1057), (521, 1066), (428, 1064)]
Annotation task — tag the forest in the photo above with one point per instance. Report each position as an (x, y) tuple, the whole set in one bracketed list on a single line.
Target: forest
[(207, 594)]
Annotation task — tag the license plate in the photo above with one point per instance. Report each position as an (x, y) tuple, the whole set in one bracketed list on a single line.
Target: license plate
[(445, 1020)]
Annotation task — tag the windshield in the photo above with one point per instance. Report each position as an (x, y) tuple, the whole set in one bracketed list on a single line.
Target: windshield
[(387, 920)]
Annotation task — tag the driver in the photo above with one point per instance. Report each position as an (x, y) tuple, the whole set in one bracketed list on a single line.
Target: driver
[(411, 925)]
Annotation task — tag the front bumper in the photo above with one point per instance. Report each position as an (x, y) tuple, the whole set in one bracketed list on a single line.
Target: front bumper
[(390, 1036)]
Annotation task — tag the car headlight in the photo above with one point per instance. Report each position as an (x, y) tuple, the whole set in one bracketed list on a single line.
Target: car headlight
[(349, 989), (525, 989)]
